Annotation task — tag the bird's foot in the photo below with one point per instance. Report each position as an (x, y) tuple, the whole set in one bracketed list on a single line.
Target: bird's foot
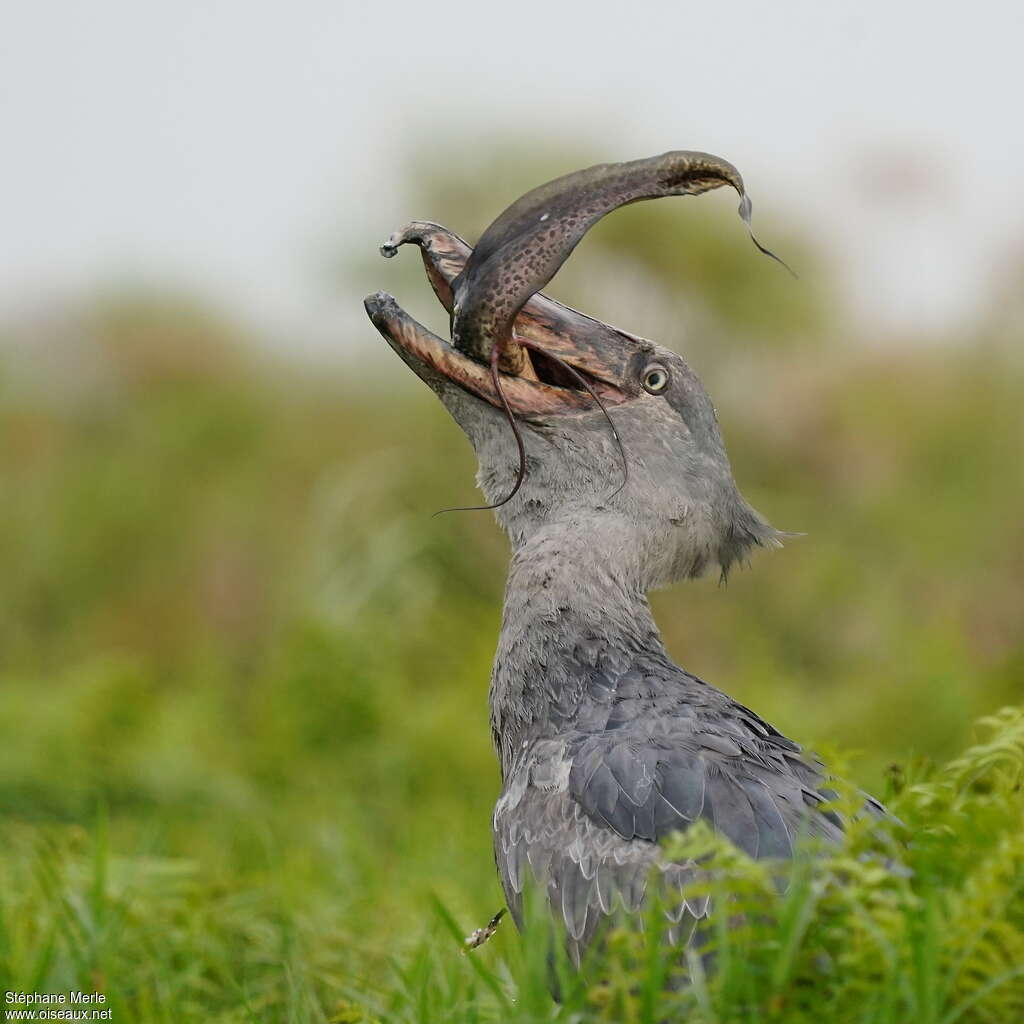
[(481, 935)]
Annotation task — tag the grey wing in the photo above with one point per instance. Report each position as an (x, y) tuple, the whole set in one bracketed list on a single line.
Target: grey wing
[(583, 814), (672, 749), (589, 872), (644, 782)]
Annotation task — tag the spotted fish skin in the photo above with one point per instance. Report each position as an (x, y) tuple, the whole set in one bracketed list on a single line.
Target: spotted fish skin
[(525, 246)]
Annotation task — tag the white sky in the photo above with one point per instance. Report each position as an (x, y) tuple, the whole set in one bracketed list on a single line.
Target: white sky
[(227, 146)]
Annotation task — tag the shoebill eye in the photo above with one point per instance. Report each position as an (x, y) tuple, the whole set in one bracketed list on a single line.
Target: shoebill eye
[(655, 379)]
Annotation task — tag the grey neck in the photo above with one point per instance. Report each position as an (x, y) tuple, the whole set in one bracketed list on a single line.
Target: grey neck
[(573, 600)]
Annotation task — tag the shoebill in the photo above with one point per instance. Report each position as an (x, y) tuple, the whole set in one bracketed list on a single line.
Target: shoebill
[(601, 455)]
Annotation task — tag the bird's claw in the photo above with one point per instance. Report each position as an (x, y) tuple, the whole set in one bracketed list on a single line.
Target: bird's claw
[(481, 935)]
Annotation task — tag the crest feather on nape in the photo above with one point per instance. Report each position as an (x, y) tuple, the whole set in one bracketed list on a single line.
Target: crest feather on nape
[(746, 531)]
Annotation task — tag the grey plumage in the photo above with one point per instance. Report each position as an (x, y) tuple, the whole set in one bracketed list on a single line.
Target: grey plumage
[(605, 745)]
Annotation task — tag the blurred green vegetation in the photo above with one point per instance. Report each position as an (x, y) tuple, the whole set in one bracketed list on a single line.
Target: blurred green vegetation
[(243, 672)]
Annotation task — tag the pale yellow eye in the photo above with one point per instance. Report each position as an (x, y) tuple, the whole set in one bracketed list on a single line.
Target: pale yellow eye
[(655, 379)]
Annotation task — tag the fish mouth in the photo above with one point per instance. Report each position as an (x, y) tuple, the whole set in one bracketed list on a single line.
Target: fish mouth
[(559, 361)]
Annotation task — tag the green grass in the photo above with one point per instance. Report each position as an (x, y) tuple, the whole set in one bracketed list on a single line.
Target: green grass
[(919, 921)]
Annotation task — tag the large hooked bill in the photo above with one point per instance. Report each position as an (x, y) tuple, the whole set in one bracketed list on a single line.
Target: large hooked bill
[(551, 358)]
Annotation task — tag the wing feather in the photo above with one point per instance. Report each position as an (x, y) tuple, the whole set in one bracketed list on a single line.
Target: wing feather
[(584, 810)]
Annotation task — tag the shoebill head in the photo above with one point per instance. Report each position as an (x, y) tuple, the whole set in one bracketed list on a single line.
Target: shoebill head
[(620, 443)]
